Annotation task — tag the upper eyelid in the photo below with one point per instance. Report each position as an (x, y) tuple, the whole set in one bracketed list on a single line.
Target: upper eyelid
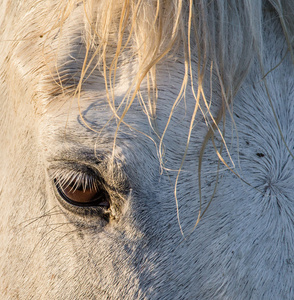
[(95, 166), (64, 165), (66, 176), (77, 157)]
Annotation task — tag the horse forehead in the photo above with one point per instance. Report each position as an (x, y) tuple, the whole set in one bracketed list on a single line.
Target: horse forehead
[(92, 105), (89, 114)]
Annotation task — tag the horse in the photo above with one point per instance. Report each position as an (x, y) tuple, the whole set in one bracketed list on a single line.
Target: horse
[(147, 149)]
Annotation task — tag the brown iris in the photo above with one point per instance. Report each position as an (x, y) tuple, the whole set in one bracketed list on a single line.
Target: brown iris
[(82, 196)]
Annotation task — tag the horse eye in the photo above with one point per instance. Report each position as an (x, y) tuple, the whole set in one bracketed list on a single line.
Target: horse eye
[(75, 194)]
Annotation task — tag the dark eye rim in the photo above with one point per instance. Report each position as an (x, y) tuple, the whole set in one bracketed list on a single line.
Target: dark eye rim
[(100, 201), (82, 211)]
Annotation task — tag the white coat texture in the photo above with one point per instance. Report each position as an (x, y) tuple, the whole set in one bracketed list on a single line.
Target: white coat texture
[(180, 113)]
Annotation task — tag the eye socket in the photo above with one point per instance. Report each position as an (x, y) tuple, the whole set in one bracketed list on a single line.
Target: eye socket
[(73, 192)]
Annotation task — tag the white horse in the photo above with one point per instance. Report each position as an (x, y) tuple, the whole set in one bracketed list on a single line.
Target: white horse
[(147, 149)]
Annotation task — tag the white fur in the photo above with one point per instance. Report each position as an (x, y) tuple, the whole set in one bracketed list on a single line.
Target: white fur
[(243, 247)]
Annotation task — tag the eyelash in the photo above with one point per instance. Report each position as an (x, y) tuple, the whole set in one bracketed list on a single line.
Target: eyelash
[(74, 179)]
